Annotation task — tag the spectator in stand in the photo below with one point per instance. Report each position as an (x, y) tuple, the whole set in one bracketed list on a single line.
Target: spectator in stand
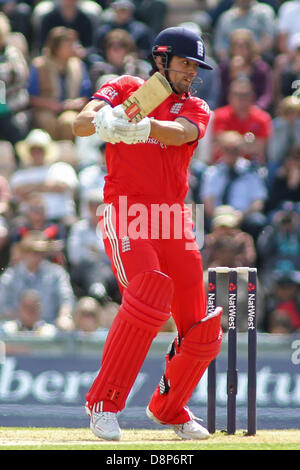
[(280, 323), (40, 172), (90, 269), (28, 318), (14, 80), (226, 226), (285, 186), (34, 271), (5, 196), (4, 243), (278, 245), (286, 133), (116, 55), (289, 76), (19, 14), (91, 180), (235, 182), (59, 84), (8, 163), (69, 14), (32, 216), (87, 315), (287, 25), (7, 167), (282, 303), (245, 61), (243, 116), (123, 18), (152, 12), (258, 17)]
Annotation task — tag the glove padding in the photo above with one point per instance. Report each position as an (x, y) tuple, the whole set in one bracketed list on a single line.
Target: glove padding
[(119, 112), (104, 124), (131, 133), (112, 125)]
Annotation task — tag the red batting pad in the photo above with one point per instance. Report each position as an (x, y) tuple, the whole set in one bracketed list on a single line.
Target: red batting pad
[(145, 308), (200, 346)]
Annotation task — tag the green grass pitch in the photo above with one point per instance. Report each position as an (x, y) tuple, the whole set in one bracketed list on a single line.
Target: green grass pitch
[(139, 439)]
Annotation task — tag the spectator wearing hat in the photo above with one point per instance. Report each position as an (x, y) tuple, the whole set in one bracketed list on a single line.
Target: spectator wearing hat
[(28, 318), (123, 18), (226, 226), (41, 173), (90, 269), (233, 181), (59, 84), (34, 271)]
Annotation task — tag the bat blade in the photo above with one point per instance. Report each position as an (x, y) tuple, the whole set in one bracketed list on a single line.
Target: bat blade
[(150, 95)]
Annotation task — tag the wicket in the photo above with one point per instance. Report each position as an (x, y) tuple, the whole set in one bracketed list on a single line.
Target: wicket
[(232, 372)]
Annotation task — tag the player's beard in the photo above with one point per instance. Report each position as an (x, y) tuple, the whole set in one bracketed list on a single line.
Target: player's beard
[(183, 82)]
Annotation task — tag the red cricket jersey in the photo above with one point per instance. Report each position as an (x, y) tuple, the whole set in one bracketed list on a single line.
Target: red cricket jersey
[(151, 172)]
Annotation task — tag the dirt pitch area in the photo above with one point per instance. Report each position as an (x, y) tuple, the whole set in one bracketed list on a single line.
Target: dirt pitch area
[(83, 439)]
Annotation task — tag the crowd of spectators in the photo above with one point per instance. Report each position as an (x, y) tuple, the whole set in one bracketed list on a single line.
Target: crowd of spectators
[(55, 274)]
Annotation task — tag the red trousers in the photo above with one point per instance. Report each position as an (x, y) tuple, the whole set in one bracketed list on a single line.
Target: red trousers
[(133, 249), (146, 258)]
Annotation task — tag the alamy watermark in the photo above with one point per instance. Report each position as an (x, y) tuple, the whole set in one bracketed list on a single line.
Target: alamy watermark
[(152, 221), (295, 357)]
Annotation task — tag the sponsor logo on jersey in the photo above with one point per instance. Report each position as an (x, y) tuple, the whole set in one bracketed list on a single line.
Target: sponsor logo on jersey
[(108, 91)]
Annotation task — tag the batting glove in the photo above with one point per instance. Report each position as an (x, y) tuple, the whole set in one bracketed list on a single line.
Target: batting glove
[(103, 122), (119, 112), (131, 133)]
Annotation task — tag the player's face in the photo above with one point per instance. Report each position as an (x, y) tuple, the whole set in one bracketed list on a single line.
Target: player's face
[(182, 73)]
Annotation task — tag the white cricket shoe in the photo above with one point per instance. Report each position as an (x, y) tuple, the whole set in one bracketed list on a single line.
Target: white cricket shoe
[(189, 430), (104, 424)]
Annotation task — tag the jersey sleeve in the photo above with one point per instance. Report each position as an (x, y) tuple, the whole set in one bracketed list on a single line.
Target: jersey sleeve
[(196, 111), (117, 90)]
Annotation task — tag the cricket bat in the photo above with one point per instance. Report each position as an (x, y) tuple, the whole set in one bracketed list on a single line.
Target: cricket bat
[(150, 95)]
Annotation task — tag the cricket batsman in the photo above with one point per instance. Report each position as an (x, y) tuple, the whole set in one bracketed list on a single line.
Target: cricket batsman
[(158, 275)]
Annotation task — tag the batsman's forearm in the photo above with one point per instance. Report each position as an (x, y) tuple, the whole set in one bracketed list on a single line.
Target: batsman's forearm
[(173, 132), (83, 125)]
